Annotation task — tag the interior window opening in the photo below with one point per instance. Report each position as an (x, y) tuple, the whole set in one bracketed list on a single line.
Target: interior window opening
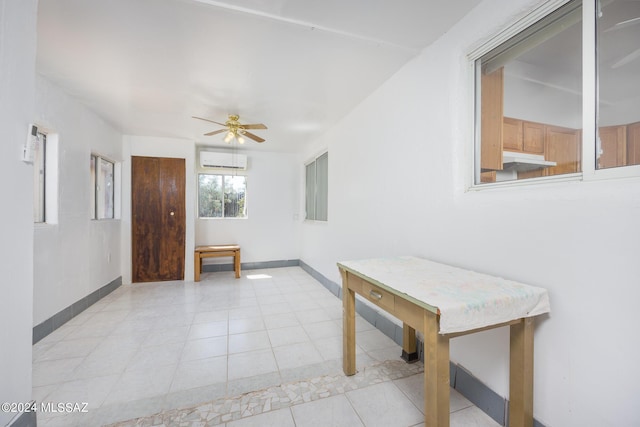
[(530, 91)]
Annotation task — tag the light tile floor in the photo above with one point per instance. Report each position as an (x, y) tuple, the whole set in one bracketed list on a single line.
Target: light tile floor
[(261, 350)]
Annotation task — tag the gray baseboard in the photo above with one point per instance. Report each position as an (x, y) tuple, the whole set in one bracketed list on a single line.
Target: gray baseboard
[(333, 287), (60, 318), (26, 419), (370, 314), (490, 402), (479, 394)]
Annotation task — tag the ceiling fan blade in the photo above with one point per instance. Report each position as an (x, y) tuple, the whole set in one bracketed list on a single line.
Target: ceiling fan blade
[(255, 126), (623, 24), (625, 60), (207, 120), (215, 132), (256, 138)]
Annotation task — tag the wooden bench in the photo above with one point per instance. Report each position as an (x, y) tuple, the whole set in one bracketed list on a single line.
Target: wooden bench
[(216, 251)]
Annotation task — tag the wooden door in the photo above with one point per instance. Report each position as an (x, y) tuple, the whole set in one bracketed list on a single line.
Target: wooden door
[(158, 219)]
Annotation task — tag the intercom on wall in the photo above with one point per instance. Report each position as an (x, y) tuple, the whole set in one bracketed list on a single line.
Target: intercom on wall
[(30, 147)]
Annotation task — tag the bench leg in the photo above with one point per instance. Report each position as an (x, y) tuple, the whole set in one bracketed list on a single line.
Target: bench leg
[(236, 262), (197, 267)]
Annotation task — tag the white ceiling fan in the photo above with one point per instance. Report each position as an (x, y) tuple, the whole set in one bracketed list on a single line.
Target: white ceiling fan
[(235, 129)]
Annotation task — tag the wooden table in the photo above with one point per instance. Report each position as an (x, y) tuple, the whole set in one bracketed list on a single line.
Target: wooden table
[(215, 251), (444, 302)]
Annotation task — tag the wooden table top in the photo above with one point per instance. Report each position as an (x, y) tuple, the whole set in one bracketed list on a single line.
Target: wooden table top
[(464, 299)]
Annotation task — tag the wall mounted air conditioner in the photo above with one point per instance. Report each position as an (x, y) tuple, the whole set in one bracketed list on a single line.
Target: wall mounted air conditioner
[(211, 159)]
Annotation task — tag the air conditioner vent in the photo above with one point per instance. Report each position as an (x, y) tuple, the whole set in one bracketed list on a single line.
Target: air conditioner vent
[(211, 159)]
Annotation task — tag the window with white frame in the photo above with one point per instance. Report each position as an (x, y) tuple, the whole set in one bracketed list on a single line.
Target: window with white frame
[(39, 179), (222, 196), (102, 187), (550, 103), (317, 188), (45, 177)]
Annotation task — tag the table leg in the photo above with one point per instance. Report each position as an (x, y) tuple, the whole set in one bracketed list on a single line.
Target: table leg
[(436, 374), (348, 328), (409, 344), (236, 262), (197, 266), (521, 374)]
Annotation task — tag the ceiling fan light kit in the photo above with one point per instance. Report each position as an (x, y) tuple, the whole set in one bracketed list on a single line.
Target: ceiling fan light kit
[(235, 129), (231, 135)]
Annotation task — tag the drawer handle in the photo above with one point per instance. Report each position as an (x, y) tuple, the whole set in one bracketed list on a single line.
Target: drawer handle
[(375, 295)]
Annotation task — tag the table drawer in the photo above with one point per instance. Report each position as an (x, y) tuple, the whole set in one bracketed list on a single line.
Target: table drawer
[(379, 296)]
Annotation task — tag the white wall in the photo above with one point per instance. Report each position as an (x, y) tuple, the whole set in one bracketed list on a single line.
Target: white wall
[(398, 165), (157, 147), (17, 65), (77, 255), (271, 230)]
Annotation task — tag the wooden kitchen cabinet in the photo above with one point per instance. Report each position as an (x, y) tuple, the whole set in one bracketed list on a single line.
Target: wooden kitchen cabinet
[(557, 144), (526, 137), (563, 146), (488, 176), (523, 136), (613, 140), (620, 145), (491, 120), (533, 137), (498, 133), (633, 144), (512, 134)]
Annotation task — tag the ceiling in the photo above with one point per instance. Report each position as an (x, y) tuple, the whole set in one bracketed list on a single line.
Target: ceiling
[(298, 66)]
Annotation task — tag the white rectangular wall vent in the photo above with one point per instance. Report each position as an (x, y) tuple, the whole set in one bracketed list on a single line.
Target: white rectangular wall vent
[(211, 159)]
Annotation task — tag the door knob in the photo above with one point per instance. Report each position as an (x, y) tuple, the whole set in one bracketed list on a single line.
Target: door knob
[(171, 213)]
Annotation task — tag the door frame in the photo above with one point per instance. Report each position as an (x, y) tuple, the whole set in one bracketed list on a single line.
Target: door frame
[(158, 147)]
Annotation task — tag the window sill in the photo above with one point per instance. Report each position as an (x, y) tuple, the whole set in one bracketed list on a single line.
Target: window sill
[(44, 225), (206, 218), (573, 177)]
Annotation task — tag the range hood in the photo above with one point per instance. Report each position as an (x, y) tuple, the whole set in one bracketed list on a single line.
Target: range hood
[(522, 162)]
